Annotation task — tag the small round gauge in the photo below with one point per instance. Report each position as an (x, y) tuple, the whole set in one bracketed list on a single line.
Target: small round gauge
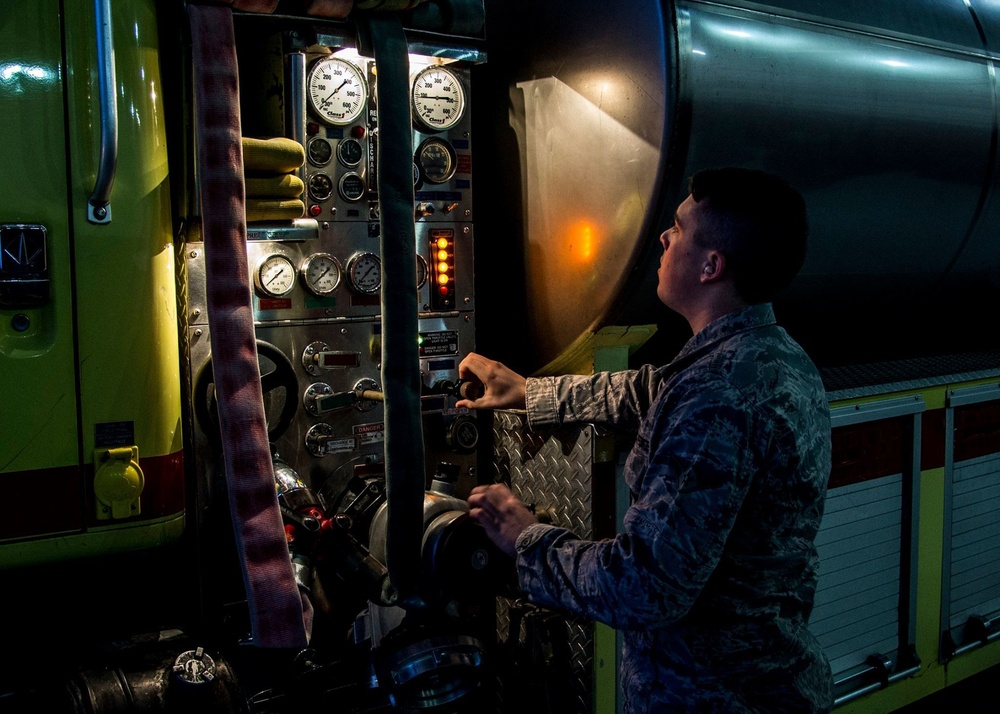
[(364, 273), (320, 187), (352, 187), (321, 273), (437, 160), (438, 98), (320, 152), (421, 271), (274, 276), (337, 91), (349, 152)]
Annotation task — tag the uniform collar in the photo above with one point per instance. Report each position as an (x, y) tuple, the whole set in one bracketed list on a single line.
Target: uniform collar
[(726, 326)]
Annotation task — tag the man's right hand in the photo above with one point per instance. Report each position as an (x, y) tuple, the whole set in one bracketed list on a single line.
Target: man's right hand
[(503, 387)]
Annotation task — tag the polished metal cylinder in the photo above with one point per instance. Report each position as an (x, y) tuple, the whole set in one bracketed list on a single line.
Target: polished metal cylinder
[(885, 117)]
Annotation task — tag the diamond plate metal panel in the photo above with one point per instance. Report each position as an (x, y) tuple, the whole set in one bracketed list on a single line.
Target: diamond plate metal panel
[(552, 469)]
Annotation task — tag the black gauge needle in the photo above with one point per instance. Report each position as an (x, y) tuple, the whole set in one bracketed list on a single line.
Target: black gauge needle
[(276, 276), (336, 90)]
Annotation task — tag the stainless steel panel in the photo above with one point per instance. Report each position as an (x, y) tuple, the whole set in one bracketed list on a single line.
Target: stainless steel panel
[(342, 241), (357, 433)]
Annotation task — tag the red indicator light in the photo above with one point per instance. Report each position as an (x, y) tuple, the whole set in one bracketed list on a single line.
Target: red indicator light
[(315, 210), (357, 131), (443, 290), (312, 128)]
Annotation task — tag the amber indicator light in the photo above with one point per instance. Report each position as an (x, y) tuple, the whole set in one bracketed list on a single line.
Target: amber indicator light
[(442, 243)]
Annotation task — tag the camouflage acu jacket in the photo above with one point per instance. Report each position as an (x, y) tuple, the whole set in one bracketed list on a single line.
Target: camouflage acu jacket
[(712, 579)]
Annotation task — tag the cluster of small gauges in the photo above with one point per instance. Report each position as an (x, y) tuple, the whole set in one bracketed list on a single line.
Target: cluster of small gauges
[(321, 274)]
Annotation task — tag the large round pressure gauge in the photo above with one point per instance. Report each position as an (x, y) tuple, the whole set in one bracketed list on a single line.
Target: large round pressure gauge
[(321, 273), (274, 276), (337, 91), (364, 273), (438, 98)]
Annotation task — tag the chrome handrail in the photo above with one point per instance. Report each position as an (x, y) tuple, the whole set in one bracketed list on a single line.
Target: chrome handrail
[(99, 203)]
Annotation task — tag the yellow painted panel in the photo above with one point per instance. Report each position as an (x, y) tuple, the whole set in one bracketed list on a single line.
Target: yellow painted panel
[(96, 542), (39, 416), (126, 288)]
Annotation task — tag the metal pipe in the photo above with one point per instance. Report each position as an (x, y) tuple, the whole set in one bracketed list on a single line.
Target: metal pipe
[(297, 102)]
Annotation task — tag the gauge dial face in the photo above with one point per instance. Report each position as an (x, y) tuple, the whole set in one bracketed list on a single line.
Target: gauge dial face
[(320, 187), (421, 271), (364, 273), (352, 187), (350, 152), (321, 273), (275, 276), (438, 98), (437, 160), (337, 91), (320, 152)]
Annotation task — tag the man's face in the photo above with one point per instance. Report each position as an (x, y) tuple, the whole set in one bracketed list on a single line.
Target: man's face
[(682, 260)]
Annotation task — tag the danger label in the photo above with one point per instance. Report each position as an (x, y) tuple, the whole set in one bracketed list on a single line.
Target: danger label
[(369, 433), (433, 344)]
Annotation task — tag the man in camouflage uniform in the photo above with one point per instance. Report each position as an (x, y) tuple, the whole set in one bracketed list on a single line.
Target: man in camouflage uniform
[(712, 580)]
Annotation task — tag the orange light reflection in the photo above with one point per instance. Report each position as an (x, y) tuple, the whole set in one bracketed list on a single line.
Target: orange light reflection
[(582, 241)]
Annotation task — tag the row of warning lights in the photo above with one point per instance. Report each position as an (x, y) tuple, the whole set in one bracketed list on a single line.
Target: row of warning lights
[(444, 269)]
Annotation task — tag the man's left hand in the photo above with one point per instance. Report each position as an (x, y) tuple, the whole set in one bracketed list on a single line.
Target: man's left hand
[(501, 515)]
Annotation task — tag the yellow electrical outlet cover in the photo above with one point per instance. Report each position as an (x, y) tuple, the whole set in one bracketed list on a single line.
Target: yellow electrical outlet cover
[(118, 481)]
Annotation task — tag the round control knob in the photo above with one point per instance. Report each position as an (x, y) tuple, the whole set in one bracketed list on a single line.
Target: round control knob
[(463, 434)]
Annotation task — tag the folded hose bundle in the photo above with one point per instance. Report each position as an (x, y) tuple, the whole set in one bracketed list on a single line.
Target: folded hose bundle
[(272, 191), (281, 186)]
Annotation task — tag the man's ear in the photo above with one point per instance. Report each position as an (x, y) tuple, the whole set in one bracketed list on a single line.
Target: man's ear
[(714, 267)]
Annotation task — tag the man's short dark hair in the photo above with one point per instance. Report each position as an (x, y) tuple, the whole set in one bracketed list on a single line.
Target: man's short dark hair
[(758, 221)]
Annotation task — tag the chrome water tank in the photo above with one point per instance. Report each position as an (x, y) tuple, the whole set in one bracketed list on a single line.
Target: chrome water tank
[(884, 115)]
